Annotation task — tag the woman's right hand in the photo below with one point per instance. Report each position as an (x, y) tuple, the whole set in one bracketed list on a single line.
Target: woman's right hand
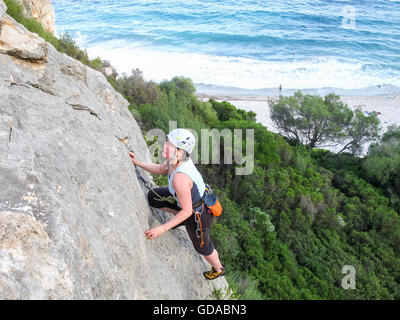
[(134, 159)]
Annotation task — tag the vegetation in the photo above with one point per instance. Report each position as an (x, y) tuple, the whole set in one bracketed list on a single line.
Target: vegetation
[(382, 165), (288, 228), (317, 122)]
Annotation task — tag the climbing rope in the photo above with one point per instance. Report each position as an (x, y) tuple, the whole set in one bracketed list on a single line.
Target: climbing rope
[(169, 199)]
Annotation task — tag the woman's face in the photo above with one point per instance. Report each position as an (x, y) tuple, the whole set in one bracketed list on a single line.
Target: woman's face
[(168, 150)]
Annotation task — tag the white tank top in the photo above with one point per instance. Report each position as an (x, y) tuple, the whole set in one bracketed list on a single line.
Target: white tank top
[(199, 187)]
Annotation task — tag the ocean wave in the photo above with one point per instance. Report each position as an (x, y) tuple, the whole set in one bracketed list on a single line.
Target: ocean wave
[(314, 72), (245, 44)]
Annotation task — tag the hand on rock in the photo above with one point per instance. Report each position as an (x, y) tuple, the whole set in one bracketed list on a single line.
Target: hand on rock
[(134, 159), (155, 232)]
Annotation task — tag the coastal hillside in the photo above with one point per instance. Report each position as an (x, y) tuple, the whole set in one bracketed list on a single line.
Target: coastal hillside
[(72, 210)]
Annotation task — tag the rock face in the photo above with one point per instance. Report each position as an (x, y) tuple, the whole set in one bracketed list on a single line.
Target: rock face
[(40, 10), (3, 8), (72, 210), (16, 41)]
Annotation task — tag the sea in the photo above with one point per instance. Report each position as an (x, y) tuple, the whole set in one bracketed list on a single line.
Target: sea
[(245, 46)]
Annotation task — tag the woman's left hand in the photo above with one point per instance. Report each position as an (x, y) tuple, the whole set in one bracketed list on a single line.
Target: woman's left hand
[(155, 232)]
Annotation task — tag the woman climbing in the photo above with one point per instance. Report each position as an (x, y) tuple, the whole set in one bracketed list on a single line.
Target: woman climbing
[(183, 197)]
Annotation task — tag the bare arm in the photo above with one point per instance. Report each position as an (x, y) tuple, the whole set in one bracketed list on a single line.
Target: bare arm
[(150, 167), (182, 185)]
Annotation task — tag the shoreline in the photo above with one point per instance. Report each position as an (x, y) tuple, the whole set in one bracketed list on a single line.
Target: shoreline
[(235, 93), (251, 97)]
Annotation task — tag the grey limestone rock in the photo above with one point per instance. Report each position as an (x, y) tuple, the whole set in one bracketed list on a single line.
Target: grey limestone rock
[(3, 9)]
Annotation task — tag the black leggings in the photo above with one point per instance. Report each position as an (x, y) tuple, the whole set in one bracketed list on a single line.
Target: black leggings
[(168, 201)]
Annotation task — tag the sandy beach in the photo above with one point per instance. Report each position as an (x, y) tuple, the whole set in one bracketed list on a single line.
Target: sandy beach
[(387, 105)]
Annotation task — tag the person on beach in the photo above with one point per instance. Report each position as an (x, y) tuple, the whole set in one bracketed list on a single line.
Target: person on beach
[(183, 197)]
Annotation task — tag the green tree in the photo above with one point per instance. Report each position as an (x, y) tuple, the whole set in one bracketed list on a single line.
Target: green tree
[(178, 84), (136, 89), (361, 129), (317, 122)]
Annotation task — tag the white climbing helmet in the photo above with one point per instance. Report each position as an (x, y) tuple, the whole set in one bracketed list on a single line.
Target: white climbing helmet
[(182, 139)]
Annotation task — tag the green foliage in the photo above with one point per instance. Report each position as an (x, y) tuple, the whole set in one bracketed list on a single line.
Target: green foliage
[(335, 162), (68, 46), (230, 294), (136, 90), (178, 84), (265, 142), (96, 63), (361, 129), (226, 111), (171, 100), (261, 221), (382, 165), (301, 158)]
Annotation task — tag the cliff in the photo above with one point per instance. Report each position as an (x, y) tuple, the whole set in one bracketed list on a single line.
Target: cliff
[(72, 210), (40, 10)]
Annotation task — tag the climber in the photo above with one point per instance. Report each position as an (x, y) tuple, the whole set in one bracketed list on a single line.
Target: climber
[(183, 197)]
